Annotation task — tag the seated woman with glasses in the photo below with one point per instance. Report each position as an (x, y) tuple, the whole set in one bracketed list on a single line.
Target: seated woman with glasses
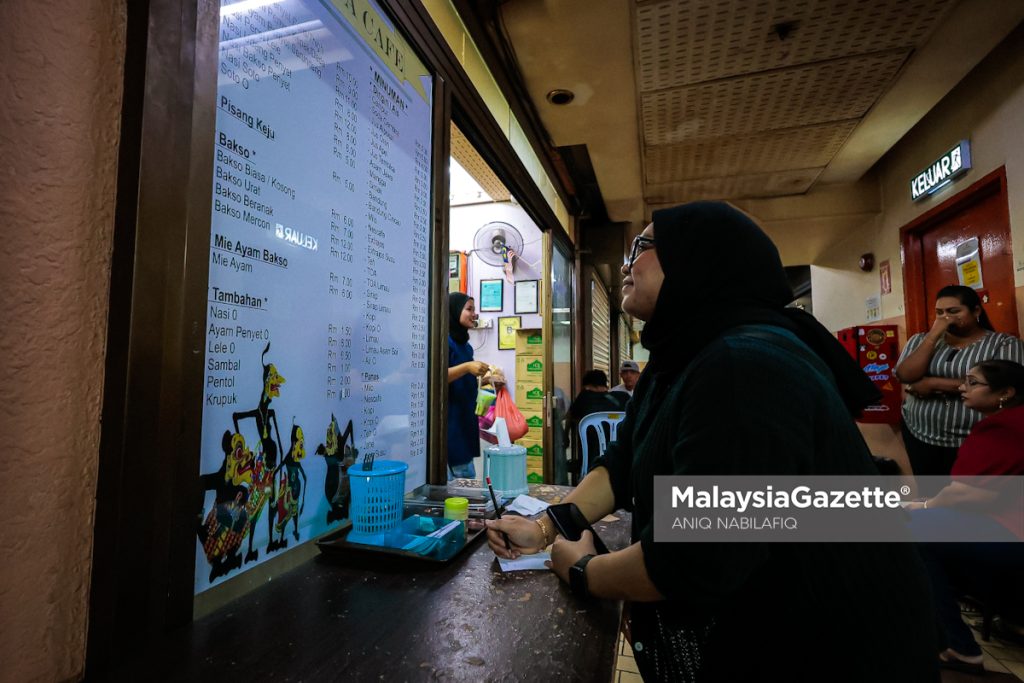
[(737, 384), (988, 507), (931, 368)]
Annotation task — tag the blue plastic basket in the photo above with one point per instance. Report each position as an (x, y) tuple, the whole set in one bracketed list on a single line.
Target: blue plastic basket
[(377, 499)]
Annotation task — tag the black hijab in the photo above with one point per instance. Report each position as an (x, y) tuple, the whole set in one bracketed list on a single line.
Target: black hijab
[(457, 302), (713, 252)]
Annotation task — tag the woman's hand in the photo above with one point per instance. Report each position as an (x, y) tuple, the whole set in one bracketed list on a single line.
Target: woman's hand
[(565, 554), (470, 367), (914, 505), (939, 327), (958, 494), (524, 535), (477, 368), (928, 386)]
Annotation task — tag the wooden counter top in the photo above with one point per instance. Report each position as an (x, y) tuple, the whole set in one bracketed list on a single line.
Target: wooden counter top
[(463, 621)]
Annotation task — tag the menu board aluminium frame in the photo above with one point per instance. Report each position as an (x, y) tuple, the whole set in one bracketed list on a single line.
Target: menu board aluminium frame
[(352, 240), (147, 493)]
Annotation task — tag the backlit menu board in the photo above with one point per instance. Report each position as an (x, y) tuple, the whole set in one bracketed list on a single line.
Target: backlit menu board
[(316, 337)]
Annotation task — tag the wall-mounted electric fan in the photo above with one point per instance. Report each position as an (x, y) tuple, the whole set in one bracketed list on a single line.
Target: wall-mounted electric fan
[(493, 242)]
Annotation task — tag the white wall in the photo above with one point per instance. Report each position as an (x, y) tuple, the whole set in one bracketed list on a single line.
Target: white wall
[(987, 108), (838, 286), (464, 223)]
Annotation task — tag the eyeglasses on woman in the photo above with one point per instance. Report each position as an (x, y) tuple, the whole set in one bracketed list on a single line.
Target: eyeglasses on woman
[(640, 245)]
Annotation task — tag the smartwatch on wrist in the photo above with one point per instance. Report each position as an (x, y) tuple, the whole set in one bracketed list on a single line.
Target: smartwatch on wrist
[(578, 577)]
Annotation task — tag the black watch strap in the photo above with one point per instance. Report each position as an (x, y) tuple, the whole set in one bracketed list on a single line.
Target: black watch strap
[(578, 577)]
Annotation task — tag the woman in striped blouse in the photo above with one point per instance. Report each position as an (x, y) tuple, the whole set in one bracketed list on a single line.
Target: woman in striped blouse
[(932, 367)]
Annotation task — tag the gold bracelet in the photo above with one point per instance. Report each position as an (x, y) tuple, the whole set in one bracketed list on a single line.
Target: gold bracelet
[(542, 523)]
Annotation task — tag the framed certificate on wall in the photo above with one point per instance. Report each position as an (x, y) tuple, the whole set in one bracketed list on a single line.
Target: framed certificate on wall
[(507, 327), (491, 293), (527, 296)]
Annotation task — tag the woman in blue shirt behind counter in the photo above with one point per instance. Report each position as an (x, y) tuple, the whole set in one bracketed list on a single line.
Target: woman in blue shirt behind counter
[(463, 428)]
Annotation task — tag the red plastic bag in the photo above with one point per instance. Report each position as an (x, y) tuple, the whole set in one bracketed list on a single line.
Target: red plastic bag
[(505, 407)]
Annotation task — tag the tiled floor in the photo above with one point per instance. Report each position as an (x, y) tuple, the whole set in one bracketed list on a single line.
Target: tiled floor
[(1000, 656), (625, 665)]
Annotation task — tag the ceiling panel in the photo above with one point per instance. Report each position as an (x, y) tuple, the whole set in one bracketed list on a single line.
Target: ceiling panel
[(465, 153), (742, 99), (681, 42), (809, 147), (772, 184), (829, 91)]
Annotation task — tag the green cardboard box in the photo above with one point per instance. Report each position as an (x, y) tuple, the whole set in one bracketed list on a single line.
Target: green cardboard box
[(534, 420), (530, 369), (529, 396), (529, 343), (534, 470)]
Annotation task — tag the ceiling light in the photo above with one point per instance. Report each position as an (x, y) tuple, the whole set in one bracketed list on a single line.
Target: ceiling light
[(559, 96), (784, 29)]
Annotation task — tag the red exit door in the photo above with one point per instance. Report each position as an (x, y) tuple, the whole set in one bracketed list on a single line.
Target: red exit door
[(929, 251)]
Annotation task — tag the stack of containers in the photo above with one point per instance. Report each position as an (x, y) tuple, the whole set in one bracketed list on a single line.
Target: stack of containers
[(529, 396)]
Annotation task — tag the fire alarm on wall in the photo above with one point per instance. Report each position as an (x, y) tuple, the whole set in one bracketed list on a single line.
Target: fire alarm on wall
[(867, 262)]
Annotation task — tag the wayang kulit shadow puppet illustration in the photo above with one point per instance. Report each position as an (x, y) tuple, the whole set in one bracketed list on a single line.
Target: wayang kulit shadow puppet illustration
[(291, 488), (248, 481), (225, 527), (244, 483), (270, 445), (339, 455)]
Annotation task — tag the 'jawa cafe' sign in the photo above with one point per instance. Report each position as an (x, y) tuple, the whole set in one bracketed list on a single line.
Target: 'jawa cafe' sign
[(950, 165)]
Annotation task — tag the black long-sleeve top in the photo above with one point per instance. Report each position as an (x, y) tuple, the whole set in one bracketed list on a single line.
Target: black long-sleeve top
[(757, 401)]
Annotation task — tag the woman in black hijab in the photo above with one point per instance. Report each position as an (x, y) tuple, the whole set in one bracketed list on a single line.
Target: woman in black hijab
[(463, 428), (738, 384)]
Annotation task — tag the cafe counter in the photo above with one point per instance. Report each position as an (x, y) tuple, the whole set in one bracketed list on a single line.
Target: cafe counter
[(382, 620)]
